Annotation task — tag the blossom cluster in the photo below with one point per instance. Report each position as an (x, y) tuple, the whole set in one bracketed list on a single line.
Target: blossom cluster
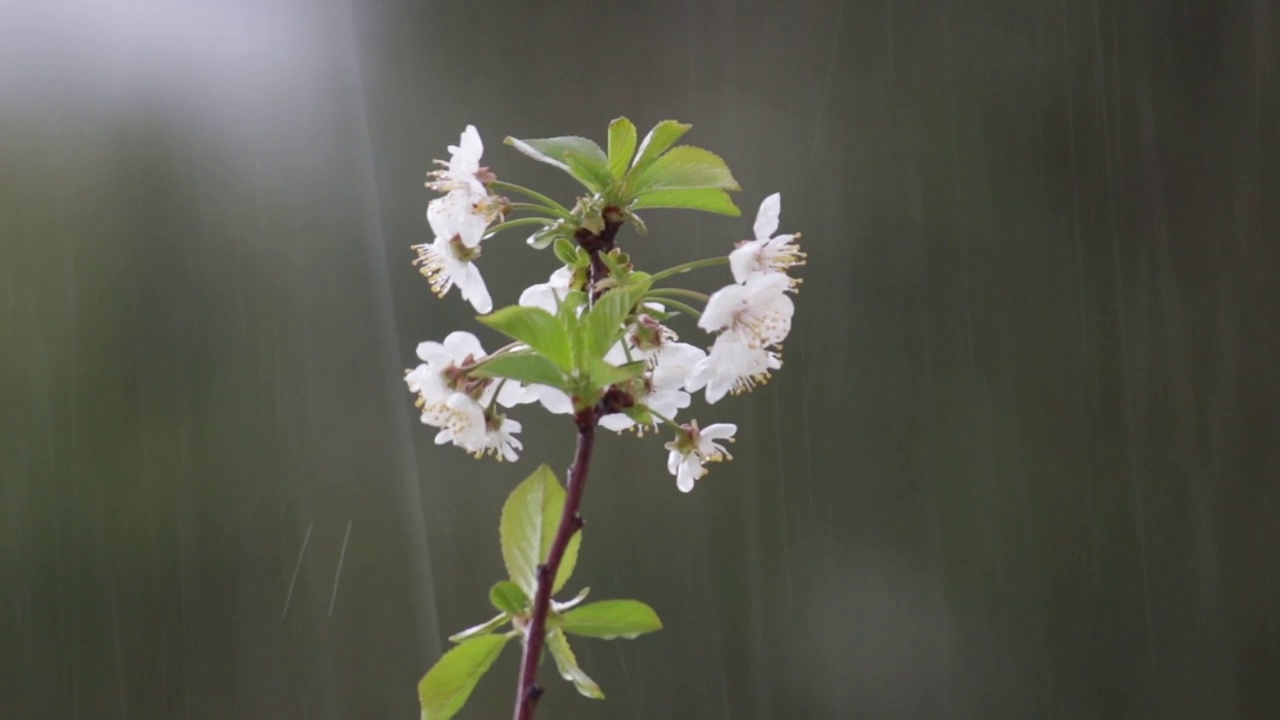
[(748, 318)]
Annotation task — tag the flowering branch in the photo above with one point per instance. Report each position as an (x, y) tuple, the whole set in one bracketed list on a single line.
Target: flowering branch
[(594, 343), (528, 691)]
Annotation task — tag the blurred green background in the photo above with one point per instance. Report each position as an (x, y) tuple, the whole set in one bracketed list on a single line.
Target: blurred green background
[(1022, 460)]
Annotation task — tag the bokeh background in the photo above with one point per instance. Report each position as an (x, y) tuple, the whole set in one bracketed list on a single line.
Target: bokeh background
[(1023, 460)]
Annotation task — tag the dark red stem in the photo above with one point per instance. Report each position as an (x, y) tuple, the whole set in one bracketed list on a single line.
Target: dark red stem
[(529, 691)]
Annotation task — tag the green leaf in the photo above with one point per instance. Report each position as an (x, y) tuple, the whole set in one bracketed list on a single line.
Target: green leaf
[(610, 619), (662, 136), (566, 251), (603, 374), (684, 167), (508, 597), (446, 687), (603, 324), (528, 527), (482, 629), (622, 145), (713, 200), (527, 367), (567, 664), (588, 171), (580, 157), (544, 237), (535, 327)]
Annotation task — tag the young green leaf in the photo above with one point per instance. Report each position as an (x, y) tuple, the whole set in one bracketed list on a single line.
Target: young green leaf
[(566, 251), (567, 664), (622, 145), (603, 374), (684, 167), (527, 367), (448, 684), (712, 200), (544, 237), (662, 136), (589, 164), (535, 327), (603, 325), (610, 619), (588, 172), (508, 597), (482, 629), (528, 527)]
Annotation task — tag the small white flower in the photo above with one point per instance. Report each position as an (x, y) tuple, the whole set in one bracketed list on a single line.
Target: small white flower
[(459, 348), (732, 367), (448, 262), (443, 374), (758, 311), (766, 254), (673, 361), (456, 215), (463, 169), (661, 389), (693, 448), (549, 294), (464, 424), (500, 439), (433, 394)]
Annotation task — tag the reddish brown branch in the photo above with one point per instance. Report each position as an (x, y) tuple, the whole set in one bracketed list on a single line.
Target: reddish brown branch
[(529, 691)]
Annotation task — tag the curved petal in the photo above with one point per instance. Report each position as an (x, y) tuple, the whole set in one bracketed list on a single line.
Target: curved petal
[(686, 476), (470, 148), (472, 287), (460, 343), (557, 402), (744, 260), (767, 217), (616, 422)]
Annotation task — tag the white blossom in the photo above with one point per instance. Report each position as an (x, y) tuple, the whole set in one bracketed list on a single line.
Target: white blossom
[(458, 221), (693, 448), (732, 367), (766, 254), (464, 424), (462, 172), (500, 439), (454, 215), (448, 262), (455, 402), (549, 294), (669, 363), (758, 311)]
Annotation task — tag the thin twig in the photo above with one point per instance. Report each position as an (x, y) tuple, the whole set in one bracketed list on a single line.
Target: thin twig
[(528, 692)]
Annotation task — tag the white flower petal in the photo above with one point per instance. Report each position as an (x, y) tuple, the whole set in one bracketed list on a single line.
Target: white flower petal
[(732, 366), (767, 217), (687, 473), (743, 261), (460, 344), (467, 154), (472, 287), (616, 422), (556, 402), (759, 310), (549, 294)]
